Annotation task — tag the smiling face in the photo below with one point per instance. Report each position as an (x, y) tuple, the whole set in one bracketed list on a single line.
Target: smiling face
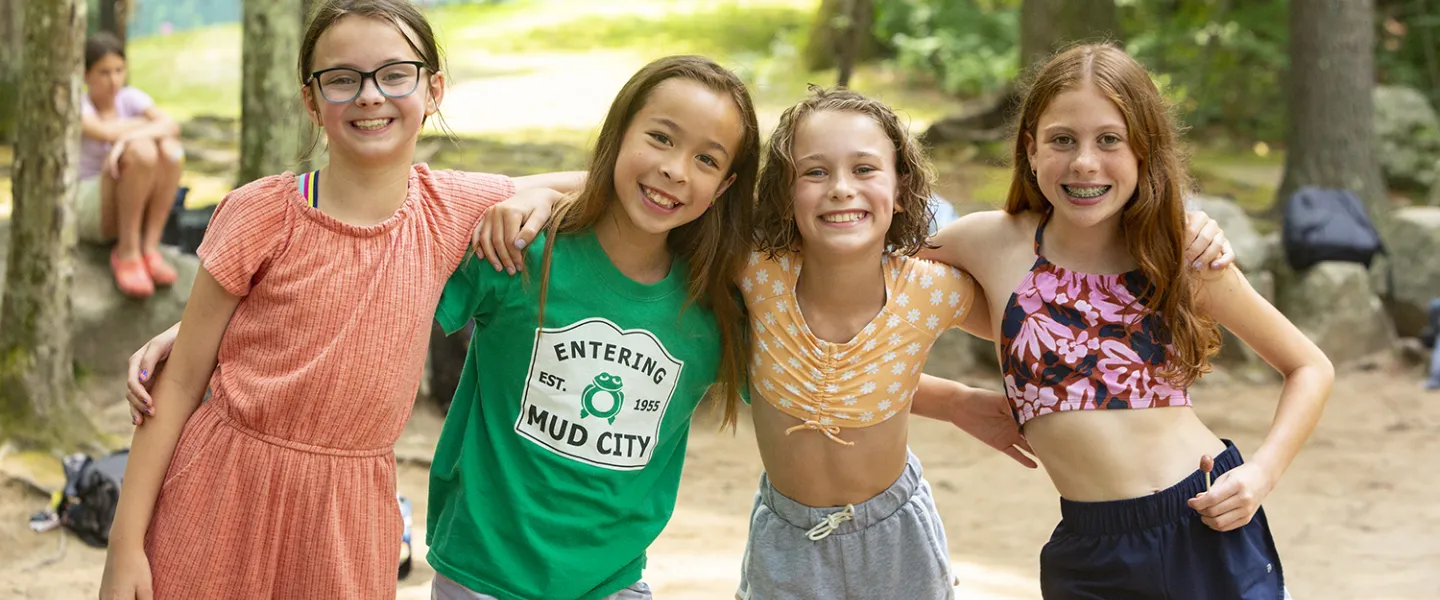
[(1083, 161), (675, 157), (845, 183), (372, 128)]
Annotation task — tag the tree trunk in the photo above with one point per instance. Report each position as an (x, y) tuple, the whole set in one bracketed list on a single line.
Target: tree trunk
[(37, 407), (1048, 25), (10, 50), (1045, 26), (853, 37), (270, 95), (1331, 134), (115, 17), (840, 33)]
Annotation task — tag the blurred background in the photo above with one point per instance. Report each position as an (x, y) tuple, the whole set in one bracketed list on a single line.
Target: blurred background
[(1275, 95)]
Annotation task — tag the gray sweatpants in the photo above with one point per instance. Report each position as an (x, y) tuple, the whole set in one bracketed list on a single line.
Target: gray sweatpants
[(444, 588), (890, 546)]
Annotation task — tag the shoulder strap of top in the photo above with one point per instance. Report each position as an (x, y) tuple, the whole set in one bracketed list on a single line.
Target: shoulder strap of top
[(1040, 231)]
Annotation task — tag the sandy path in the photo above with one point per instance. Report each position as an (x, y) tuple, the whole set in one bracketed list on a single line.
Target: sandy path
[(1356, 516)]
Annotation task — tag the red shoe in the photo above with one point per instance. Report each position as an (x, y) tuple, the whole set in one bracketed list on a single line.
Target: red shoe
[(160, 272), (131, 277)]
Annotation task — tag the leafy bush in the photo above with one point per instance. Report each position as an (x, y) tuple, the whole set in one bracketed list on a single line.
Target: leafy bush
[(964, 48)]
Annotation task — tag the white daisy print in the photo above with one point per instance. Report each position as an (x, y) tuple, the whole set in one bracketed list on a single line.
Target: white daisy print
[(894, 387), (892, 321), (883, 405), (868, 387), (937, 296), (872, 369), (913, 315), (785, 403), (847, 376), (832, 389), (747, 285), (954, 298), (777, 288), (903, 299), (762, 276), (867, 416), (887, 357), (870, 345), (932, 322), (898, 369), (913, 348)]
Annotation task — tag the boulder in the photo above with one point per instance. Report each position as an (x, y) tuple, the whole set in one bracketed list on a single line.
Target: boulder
[(108, 326), (1408, 132), (1336, 306), (1251, 251), (1412, 242)]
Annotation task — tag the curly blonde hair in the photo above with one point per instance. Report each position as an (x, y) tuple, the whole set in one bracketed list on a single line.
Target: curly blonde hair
[(775, 230)]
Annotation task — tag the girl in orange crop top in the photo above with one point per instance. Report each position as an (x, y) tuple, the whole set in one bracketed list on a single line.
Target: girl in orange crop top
[(842, 318), (1103, 321)]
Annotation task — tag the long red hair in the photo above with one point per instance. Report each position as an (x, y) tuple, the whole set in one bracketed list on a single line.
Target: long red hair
[(1153, 221)]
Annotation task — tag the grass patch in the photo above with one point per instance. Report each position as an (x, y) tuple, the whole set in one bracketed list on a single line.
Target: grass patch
[(195, 72), (726, 30), (1248, 177)]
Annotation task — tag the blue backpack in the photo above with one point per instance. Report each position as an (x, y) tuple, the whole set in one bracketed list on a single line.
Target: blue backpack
[(1324, 224)]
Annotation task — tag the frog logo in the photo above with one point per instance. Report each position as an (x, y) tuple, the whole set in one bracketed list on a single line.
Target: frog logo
[(607, 384)]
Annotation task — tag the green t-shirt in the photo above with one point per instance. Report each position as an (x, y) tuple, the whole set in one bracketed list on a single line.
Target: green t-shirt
[(560, 461)]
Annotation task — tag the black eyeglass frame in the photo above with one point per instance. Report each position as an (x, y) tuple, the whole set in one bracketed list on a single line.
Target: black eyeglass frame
[(420, 67)]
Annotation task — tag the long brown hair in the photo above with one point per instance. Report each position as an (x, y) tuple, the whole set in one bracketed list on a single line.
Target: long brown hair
[(775, 230), (1153, 220), (713, 245), (400, 13)]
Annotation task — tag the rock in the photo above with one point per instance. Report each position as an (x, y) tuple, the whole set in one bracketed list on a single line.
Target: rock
[(107, 327), (1412, 242), (1334, 304), (960, 356), (1251, 251), (1409, 136)]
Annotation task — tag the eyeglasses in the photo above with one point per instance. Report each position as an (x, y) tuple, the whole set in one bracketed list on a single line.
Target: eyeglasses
[(343, 84)]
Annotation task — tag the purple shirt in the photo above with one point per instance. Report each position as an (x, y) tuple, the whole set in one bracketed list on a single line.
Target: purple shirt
[(130, 103)]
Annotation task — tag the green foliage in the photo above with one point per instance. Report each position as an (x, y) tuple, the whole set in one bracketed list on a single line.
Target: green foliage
[(721, 29), (1223, 60), (1407, 48), (963, 47)]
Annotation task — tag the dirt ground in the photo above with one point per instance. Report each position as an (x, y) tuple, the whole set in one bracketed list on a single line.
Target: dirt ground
[(1355, 517)]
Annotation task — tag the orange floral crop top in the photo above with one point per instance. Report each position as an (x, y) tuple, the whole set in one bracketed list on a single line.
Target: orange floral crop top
[(862, 382)]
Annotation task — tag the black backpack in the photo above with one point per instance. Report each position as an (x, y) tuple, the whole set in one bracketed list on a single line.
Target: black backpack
[(92, 489), (1322, 224)]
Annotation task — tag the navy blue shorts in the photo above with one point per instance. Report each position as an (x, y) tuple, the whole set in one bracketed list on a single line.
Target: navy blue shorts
[(1157, 547)]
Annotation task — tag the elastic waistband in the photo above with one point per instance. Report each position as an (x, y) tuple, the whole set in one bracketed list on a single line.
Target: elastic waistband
[(1132, 514), (867, 513), (221, 413)]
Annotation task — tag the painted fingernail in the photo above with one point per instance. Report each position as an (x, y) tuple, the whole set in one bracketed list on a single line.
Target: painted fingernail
[(1195, 265), (1215, 265), (144, 374), (149, 411), (510, 270), (134, 420), (520, 244)]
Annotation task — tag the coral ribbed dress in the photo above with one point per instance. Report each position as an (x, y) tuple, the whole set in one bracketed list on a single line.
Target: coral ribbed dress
[(283, 483)]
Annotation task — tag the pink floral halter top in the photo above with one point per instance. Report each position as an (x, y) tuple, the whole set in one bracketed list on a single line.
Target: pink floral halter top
[(1079, 341)]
